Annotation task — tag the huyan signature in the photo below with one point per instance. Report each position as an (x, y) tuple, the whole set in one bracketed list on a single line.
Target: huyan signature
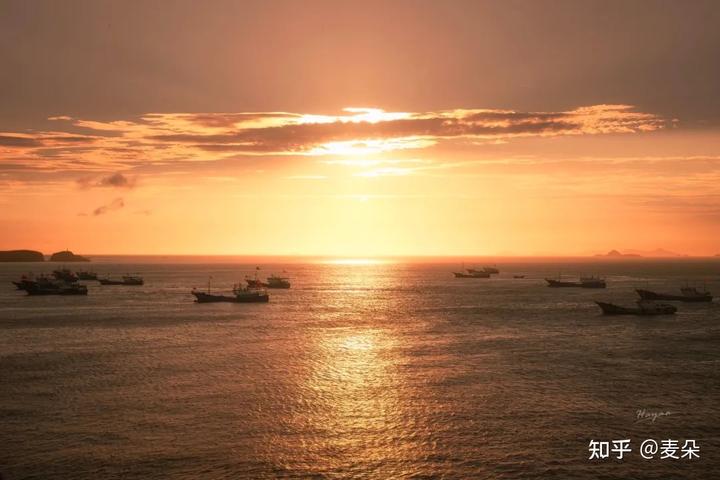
[(649, 415)]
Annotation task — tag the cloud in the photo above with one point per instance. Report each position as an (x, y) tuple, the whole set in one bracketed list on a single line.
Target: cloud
[(318, 135), (164, 139), (116, 204), (18, 141), (116, 180)]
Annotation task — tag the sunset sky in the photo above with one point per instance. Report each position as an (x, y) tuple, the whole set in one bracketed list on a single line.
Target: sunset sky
[(360, 128)]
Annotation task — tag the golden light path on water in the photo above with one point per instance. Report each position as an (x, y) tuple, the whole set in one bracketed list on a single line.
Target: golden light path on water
[(357, 407)]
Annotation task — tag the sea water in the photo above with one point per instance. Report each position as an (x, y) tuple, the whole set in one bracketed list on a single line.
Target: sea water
[(360, 370)]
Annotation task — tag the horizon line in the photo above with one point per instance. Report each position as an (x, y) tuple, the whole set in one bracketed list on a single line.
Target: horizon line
[(401, 256)]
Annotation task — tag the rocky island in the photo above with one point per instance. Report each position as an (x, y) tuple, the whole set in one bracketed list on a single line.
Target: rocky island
[(21, 256), (617, 254), (67, 256)]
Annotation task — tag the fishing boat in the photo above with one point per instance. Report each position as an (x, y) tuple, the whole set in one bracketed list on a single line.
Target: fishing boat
[(561, 283), (645, 307), (592, 282), (584, 282), (687, 294), (480, 273), (125, 280), (275, 281), (207, 297), (471, 273), (27, 280), (248, 294), (240, 295), (43, 285), (251, 295), (255, 282), (65, 274), (84, 275), (476, 274), (57, 288)]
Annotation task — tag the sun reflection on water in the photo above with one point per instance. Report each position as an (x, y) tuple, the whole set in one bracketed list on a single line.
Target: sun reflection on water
[(356, 404), (352, 408), (358, 342)]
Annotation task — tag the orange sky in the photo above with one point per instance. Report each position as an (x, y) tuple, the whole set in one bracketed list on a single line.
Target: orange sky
[(322, 128)]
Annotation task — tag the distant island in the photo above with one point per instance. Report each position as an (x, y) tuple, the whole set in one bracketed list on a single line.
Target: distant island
[(629, 253), (21, 256), (617, 254), (67, 256)]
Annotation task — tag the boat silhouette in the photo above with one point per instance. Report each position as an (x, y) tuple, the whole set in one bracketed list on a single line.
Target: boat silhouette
[(275, 281), (43, 285), (85, 275), (471, 273), (125, 280), (240, 295), (584, 282), (688, 294), (645, 307), (65, 274)]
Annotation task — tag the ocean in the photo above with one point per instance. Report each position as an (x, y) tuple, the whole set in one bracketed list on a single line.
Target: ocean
[(360, 370)]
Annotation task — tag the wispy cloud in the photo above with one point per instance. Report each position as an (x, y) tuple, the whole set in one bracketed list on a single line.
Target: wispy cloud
[(374, 130), (116, 204), (164, 139), (116, 180)]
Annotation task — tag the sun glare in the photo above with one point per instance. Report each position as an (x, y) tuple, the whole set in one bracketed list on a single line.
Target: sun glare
[(356, 261), (369, 146)]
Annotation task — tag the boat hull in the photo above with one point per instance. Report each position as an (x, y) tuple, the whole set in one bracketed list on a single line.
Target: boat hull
[(562, 284), (65, 275), (201, 297), (583, 284), (107, 281), (263, 298), (612, 309), (74, 290), (649, 295), (471, 275), (22, 284)]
